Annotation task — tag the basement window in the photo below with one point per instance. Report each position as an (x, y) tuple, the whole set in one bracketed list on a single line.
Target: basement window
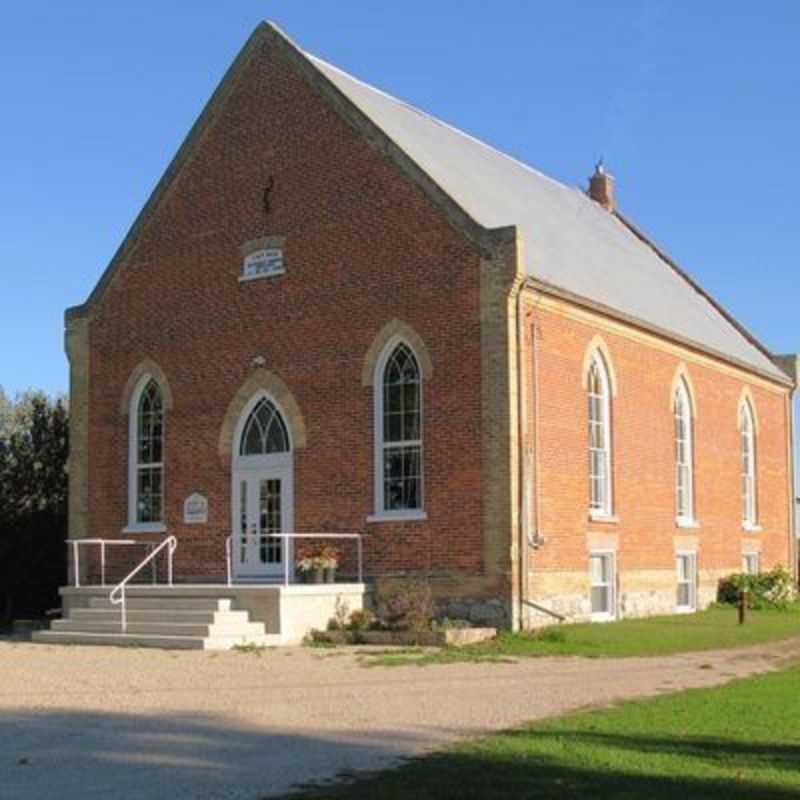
[(751, 563)]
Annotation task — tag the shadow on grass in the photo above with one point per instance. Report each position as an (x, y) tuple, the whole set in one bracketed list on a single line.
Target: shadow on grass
[(553, 766)]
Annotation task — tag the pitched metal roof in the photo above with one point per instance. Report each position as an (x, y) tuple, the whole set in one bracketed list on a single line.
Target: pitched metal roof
[(570, 241)]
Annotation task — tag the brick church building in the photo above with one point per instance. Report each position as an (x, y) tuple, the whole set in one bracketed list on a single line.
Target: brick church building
[(336, 313)]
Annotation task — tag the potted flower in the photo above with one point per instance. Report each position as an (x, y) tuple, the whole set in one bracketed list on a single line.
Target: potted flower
[(309, 566), (328, 559)]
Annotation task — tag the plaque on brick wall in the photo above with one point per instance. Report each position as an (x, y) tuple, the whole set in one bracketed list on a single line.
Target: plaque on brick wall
[(195, 509)]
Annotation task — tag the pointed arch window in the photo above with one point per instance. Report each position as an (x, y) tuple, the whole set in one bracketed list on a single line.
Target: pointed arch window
[(265, 431), (398, 434), (748, 464), (146, 462), (684, 455), (600, 464)]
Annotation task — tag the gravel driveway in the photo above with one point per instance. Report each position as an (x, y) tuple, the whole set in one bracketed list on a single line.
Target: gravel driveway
[(87, 722)]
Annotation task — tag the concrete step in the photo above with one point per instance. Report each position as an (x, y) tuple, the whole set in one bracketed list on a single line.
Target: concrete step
[(163, 602), (166, 642), (120, 640), (159, 628), (165, 614)]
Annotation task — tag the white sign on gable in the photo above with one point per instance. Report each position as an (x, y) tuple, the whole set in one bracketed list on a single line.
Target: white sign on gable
[(195, 509), (268, 261)]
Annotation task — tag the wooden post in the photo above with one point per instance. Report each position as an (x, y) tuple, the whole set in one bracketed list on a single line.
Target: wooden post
[(742, 606)]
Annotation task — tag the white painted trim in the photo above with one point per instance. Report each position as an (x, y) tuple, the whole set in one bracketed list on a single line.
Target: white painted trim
[(133, 462), (262, 467), (605, 616), (381, 514), (692, 607), (746, 410), (599, 516), (682, 393), (750, 528), (406, 515), (686, 522), (607, 511)]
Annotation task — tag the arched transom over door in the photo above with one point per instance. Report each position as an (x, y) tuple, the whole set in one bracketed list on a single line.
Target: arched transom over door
[(263, 492)]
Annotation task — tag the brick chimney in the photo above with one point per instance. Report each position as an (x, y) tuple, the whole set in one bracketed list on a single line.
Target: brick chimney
[(601, 187)]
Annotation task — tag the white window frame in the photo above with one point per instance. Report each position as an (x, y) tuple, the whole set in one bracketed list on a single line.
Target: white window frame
[(749, 467), (606, 509), (134, 526), (756, 557), (692, 606), (683, 417), (611, 614), (381, 513)]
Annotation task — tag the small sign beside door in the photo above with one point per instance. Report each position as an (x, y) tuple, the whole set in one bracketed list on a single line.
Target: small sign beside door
[(195, 509)]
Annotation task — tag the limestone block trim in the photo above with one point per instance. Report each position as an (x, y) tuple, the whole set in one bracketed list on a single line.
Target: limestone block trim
[(396, 329), (686, 544), (598, 344), (262, 380), (148, 367), (501, 279), (751, 546), (76, 344), (601, 541)]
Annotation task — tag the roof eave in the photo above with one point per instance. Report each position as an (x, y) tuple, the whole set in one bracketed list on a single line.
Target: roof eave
[(548, 288), (645, 239)]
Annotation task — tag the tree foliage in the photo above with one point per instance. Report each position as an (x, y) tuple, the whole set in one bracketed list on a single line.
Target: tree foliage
[(34, 443)]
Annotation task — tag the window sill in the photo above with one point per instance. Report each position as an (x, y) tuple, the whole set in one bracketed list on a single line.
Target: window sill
[(397, 516), (685, 522), (685, 610), (145, 527), (751, 527), (608, 519), (248, 278), (603, 616)]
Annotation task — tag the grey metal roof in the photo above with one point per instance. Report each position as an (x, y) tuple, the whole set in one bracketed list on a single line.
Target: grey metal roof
[(569, 240)]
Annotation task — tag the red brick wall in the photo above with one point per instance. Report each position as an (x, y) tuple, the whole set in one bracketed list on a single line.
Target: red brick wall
[(363, 247), (643, 455)]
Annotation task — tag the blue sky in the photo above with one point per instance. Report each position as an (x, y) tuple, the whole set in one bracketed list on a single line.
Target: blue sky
[(695, 108)]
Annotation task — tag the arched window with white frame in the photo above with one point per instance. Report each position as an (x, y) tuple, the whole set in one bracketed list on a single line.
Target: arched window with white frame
[(398, 433), (600, 464), (684, 454), (146, 457), (748, 464)]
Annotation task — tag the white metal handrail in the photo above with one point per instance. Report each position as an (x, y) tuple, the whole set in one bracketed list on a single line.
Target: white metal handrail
[(117, 595), (285, 537), (75, 544)]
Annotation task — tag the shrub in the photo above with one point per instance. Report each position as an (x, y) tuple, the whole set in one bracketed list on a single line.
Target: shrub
[(360, 620), (409, 609), (772, 589)]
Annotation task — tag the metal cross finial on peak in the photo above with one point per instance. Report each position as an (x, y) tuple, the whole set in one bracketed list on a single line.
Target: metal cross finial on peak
[(599, 167)]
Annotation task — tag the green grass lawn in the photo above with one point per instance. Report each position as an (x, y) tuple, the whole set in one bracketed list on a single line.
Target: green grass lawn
[(740, 741), (716, 628)]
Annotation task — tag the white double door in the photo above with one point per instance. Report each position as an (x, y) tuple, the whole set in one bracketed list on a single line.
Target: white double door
[(263, 505)]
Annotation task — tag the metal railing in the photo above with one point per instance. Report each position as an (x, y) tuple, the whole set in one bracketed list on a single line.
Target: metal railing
[(74, 546), (117, 595), (285, 538)]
